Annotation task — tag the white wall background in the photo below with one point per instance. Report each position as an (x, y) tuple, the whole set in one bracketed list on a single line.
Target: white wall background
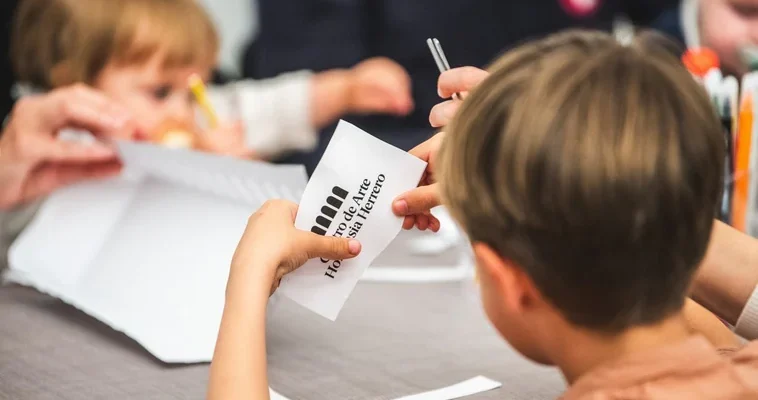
[(237, 23)]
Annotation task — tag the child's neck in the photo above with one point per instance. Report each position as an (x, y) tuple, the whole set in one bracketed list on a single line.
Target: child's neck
[(581, 350)]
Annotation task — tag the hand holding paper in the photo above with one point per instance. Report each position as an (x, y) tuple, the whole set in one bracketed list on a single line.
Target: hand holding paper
[(271, 247), (350, 195), (416, 205)]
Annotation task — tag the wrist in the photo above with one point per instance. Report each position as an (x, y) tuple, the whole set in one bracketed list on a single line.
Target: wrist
[(251, 280), (331, 96)]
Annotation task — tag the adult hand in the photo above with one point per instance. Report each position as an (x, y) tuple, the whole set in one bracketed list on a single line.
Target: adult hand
[(272, 247), (416, 204), (33, 162)]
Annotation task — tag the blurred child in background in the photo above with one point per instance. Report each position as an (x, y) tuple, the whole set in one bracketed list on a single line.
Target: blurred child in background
[(142, 53), (729, 27)]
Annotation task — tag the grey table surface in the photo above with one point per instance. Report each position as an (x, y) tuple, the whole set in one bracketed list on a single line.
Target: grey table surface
[(391, 340)]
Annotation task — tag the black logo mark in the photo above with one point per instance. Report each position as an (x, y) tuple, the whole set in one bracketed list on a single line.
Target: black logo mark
[(329, 210)]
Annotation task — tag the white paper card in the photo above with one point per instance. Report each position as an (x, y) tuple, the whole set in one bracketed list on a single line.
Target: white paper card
[(149, 253), (470, 387), (275, 396), (350, 195)]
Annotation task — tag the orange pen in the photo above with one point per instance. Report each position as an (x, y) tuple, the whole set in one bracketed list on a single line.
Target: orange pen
[(742, 167)]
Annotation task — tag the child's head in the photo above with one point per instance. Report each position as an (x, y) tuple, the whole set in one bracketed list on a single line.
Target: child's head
[(726, 26), (139, 52), (586, 174)]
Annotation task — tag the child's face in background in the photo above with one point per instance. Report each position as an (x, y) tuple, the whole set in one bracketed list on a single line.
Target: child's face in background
[(726, 26), (152, 93)]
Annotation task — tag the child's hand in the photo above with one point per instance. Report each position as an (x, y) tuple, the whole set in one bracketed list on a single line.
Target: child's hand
[(227, 139), (272, 247), (379, 85)]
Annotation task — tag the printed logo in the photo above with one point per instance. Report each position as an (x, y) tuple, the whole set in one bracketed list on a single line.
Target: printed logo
[(329, 210), (580, 8)]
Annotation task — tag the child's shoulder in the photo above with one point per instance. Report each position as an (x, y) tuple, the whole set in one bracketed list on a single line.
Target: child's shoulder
[(691, 370)]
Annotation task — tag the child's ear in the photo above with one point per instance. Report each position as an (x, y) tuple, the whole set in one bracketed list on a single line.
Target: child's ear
[(503, 278)]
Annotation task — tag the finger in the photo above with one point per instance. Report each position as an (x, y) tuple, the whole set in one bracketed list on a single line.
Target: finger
[(392, 97), (458, 80), (424, 150), (422, 222), (443, 113), (67, 151), (409, 222), (329, 247), (52, 177), (434, 224), (85, 108), (417, 201)]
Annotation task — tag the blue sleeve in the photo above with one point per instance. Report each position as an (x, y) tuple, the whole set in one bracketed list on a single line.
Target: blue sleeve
[(308, 34)]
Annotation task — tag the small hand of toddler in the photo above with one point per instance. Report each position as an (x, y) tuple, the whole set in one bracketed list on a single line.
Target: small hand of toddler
[(228, 138), (379, 85)]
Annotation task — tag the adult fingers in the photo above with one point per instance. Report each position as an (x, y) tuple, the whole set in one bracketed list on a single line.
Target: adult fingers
[(458, 80), (76, 152), (53, 177), (80, 107)]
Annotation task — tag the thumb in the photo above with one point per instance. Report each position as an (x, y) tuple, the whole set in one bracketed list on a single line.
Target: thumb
[(329, 247), (417, 201)]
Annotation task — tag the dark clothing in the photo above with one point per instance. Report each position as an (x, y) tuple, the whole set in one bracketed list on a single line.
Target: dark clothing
[(7, 10), (670, 23), (325, 34)]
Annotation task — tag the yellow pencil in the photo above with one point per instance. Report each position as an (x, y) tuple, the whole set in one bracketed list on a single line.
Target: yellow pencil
[(197, 87)]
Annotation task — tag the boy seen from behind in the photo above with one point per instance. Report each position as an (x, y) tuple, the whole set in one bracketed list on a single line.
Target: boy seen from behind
[(586, 174)]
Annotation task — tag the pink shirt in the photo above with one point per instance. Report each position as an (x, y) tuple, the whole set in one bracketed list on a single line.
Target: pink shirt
[(693, 369)]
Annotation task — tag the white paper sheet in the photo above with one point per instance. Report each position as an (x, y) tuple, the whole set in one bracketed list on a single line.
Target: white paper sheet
[(275, 396), (350, 195), (149, 254), (467, 388)]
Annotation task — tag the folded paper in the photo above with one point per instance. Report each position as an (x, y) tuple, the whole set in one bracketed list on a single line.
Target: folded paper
[(148, 253)]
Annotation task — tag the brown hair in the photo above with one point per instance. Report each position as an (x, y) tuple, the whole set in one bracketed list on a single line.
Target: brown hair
[(58, 42), (596, 168)]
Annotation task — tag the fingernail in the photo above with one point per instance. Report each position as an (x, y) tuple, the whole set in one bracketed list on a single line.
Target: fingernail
[(354, 247), (439, 92), (400, 207)]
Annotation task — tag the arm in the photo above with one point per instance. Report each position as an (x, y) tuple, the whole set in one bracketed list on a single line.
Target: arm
[(238, 370), (270, 248), (703, 322), (283, 114), (728, 275), (275, 112)]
